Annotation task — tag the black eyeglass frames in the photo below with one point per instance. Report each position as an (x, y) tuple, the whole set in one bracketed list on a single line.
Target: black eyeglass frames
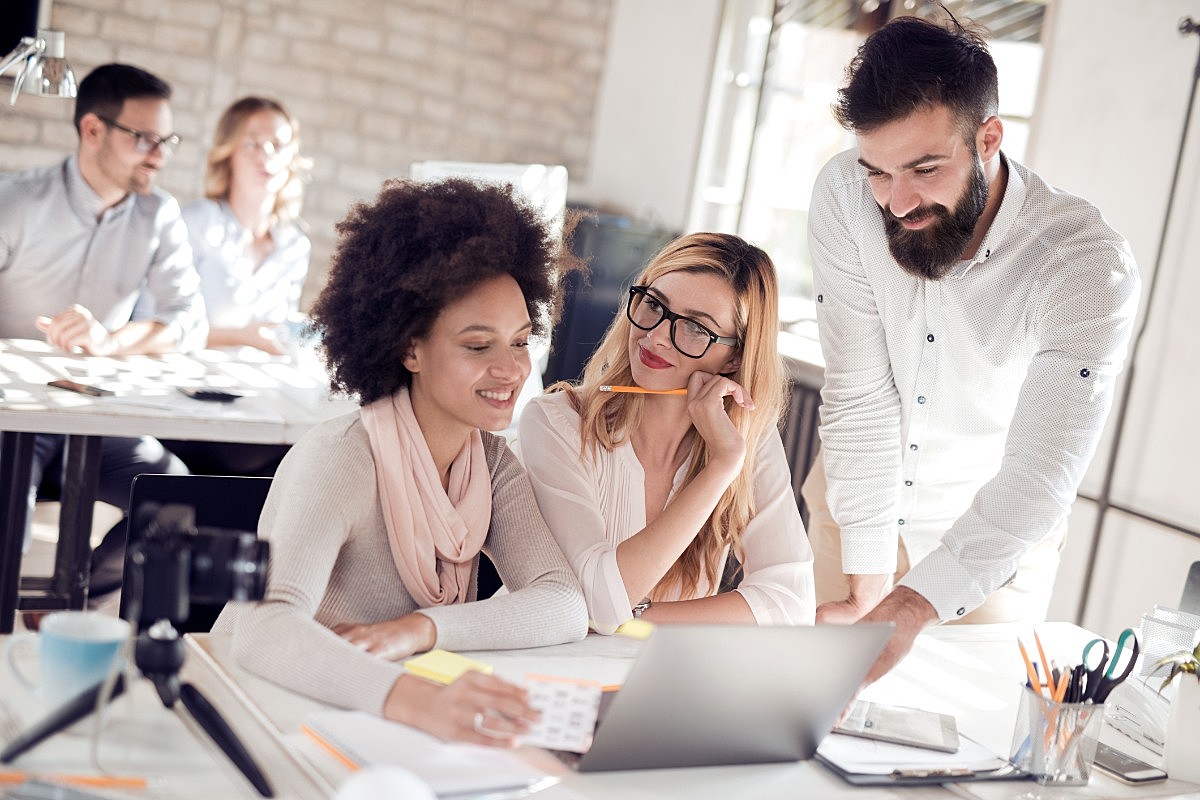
[(690, 337), (146, 143)]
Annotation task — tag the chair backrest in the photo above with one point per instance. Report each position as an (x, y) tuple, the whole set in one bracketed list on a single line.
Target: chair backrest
[(224, 502), (1190, 600)]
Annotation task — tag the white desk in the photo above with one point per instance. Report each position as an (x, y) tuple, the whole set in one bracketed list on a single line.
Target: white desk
[(281, 401), (972, 672)]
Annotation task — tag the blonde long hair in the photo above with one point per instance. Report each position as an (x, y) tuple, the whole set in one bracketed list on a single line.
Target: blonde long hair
[(220, 172), (606, 419)]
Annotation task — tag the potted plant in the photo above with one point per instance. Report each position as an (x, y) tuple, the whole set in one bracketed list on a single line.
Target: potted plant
[(1183, 723)]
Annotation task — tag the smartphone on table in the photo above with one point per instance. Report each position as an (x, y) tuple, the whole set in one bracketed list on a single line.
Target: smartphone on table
[(914, 727), (1124, 767)]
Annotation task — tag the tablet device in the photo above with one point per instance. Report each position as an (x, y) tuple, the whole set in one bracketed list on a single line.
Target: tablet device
[(901, 725)]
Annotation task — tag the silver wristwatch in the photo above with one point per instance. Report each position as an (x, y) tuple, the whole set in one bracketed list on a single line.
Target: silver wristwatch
[(641, 607)]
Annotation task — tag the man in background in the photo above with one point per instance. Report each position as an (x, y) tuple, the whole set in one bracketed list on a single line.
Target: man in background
[(81, 242), (973, 321)]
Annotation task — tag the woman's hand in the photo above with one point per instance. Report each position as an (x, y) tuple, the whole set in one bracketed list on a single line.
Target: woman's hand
[(706, 406), (475, 708), (394, 639)]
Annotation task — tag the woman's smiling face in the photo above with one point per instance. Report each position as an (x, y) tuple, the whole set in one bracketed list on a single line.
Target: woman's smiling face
[(706, 298)]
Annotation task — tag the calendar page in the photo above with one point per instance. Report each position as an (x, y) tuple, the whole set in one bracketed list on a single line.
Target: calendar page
[(569, 708)]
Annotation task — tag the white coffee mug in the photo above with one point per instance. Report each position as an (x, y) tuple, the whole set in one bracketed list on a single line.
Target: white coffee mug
[(76, 650)]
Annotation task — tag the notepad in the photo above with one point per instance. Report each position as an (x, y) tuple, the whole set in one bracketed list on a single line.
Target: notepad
[(443, 666), (569, 708), (359, 740)]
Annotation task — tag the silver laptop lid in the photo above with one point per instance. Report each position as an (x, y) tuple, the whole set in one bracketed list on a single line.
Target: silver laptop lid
[(702, 695)]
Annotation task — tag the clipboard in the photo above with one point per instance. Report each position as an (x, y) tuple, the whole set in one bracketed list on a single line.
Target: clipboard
[(866, 762)]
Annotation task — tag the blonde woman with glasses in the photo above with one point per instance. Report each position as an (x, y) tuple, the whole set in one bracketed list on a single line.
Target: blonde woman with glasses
[(662, 474), (250, 247)]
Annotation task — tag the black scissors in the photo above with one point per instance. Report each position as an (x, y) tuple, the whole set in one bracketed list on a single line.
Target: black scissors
[(1101, 682)]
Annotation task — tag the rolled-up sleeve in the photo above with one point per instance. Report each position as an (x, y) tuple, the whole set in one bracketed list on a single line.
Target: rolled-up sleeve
[(860, 410), (172, 286)]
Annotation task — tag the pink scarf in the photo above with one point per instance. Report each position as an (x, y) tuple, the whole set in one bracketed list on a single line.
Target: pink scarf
[(434, 534)]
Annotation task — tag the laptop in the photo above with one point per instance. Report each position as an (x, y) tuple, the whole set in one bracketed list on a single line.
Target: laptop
[(702, 695)]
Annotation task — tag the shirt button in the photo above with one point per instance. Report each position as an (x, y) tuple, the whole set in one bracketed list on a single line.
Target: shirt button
[(1085, 372), (899, 522), (921, 399), (912, 447), (820, 298), (929, 338), (961, 611), (908, 483)]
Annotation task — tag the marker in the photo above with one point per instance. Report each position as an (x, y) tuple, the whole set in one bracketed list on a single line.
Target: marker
[(640, 390)]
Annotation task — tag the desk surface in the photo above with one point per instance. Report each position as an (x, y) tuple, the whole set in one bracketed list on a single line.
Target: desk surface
[(972, 672), (281, 399)]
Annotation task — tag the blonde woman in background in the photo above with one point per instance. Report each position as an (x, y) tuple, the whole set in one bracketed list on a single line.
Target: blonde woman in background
[(648, 494), (250, 249)]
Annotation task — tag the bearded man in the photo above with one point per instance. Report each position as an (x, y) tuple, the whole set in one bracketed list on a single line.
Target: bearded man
[(973, 320), (95, 259)]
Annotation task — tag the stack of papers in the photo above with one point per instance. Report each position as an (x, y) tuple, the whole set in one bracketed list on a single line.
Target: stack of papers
[(360, 740)]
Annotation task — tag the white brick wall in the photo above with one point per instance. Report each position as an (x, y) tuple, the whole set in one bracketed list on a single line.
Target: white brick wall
[(464, 80)]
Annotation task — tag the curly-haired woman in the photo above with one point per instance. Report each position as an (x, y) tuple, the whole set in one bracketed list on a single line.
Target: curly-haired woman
[(649, 490), (376, 519)]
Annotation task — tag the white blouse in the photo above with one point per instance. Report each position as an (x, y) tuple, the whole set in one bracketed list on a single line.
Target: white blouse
[(237, 294), (594, 503)]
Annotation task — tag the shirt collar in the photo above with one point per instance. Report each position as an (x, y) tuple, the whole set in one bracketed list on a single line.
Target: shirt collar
[(1006, 217), (83, 198)]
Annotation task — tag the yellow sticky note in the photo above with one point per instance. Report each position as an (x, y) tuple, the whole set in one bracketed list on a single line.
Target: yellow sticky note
[(636, 629), (443, 666)]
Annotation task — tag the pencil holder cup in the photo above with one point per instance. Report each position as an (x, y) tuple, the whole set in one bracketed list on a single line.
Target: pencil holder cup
[(1056, 742)]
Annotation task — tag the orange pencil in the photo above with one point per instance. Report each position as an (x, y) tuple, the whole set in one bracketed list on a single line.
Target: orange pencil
[(640, 390), (95, 781)]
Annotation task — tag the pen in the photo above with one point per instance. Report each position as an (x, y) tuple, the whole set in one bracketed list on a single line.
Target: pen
[(640, 390), (95, 781)]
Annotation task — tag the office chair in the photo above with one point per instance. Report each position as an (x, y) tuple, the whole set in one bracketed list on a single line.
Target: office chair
[(221, 502)]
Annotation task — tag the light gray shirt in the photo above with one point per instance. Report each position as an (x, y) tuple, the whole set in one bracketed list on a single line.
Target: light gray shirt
[(59, 246), (238, 292), (961, 414)]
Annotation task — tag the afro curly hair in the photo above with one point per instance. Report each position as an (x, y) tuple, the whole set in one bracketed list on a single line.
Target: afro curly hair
[(416, 248)]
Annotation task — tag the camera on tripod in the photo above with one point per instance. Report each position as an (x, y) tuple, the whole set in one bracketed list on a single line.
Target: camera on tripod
[(174, 565)]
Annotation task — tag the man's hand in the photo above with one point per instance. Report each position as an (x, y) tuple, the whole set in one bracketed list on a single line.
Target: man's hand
[(75, 330), (911, 613), (395, 639), (865, 593)]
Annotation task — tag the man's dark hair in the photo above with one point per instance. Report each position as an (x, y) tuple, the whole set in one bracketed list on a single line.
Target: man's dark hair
[(912, 64), (106, 88), (415, 249)]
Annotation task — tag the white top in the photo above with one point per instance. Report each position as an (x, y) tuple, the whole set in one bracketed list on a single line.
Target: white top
[(59, 246), (594, 504), (236, 293), (961, 414)]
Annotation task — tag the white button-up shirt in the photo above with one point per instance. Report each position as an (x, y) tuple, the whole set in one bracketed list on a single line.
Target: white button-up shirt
[(60, 246), (238, 292), (961, 414)]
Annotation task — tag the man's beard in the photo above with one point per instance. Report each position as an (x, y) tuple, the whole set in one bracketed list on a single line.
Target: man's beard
[(933, 251)]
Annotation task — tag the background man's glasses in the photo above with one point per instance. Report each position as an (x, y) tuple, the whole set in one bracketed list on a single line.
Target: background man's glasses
[(146, 143), (690, 338)]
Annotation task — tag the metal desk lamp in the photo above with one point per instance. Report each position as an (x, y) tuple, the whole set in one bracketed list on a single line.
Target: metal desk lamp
[(43, 66)]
